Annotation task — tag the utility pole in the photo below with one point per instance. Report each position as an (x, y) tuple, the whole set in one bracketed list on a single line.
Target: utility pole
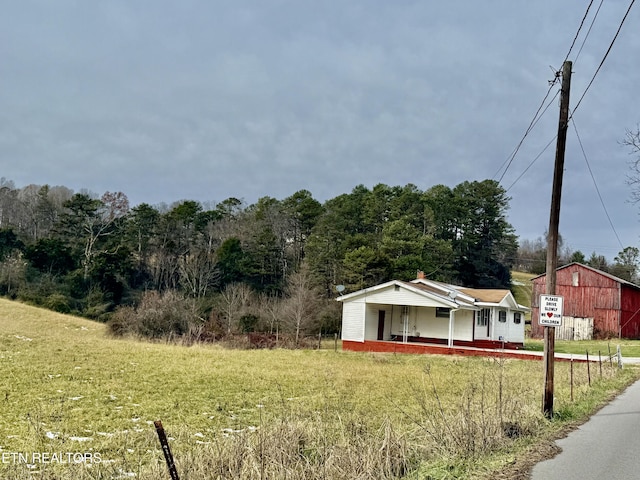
[(552, 238)]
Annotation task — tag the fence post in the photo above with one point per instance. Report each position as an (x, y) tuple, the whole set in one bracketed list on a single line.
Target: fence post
[(166, 450), (600, 362), (619, 357), (571, 376), (588, 368)]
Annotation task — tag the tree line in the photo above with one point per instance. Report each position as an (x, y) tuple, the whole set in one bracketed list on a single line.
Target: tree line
[(270, 266)]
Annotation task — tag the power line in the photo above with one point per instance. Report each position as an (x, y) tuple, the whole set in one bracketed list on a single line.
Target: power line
[(595, 184), (532, 162), (538, 114), (605, 55), (534, 121), (580, 28), (588, 32), (552, 83)]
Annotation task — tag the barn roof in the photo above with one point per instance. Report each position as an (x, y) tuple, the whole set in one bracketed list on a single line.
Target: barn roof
[(587, 267)]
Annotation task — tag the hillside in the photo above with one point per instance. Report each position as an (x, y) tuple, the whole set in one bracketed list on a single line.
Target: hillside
[(69, 389), (522, 287)]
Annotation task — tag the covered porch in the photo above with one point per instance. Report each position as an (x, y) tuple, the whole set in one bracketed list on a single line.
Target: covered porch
[(428, 312), (418, 324)]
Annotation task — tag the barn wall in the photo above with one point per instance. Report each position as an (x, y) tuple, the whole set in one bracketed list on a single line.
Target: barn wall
[(595, 296), (630, 315), (575, 328)]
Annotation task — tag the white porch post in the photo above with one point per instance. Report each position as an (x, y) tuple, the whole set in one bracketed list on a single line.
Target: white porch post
[(452, 318), (405, 323)]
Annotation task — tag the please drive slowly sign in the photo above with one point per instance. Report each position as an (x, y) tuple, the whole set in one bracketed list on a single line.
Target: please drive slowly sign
[(551, 310)]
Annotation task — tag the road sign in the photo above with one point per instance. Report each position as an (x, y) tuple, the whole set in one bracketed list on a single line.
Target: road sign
[(551, 310)]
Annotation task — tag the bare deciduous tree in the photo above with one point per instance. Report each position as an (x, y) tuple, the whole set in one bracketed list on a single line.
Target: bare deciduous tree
[(235, 299), (198, 272), (12, 271), (632, 140), (272, 306), (301, 303)]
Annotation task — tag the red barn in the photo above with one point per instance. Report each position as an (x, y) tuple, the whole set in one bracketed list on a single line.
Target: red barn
[(596, 304)]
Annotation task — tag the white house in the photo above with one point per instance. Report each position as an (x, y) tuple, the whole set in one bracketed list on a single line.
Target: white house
[(425, 311)]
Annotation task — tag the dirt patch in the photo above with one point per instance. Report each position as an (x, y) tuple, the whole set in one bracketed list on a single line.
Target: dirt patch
[(521, 468)]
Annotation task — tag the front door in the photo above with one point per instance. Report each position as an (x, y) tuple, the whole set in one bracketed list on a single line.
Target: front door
[(381, 314), (483, 324)]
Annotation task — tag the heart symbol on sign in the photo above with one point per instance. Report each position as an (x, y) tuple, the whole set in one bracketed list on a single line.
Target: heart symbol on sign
[(549, 314)]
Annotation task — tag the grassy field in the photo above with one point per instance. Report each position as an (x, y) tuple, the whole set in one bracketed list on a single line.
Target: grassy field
[(522, 290), (522, 287), (78, 404), (604, 348)]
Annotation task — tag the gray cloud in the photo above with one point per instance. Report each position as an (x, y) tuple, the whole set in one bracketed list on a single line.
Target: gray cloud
[(206, 100)]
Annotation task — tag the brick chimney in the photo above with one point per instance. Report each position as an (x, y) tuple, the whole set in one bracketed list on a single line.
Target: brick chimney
[(421, 275)]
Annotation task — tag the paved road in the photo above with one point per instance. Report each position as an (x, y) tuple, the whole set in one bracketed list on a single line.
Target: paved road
[(606, 447)]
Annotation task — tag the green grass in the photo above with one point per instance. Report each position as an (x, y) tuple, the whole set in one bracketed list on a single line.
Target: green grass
[(69, 387), (522, 287), (522, 290), (629, 348)]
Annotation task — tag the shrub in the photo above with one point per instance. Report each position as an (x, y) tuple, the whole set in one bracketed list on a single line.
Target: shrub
[(58, 303), (158, 315), (248, 323)]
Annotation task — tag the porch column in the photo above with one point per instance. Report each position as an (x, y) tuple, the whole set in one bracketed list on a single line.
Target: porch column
[(452, 317)]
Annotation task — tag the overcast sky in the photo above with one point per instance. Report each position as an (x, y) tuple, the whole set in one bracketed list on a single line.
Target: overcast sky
[(208, 99)]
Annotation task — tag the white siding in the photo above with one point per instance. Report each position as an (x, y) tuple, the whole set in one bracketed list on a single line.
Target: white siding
[(428, 325), (438, 327), (575, 328), (397, 326), (463, 326), (424, 323), (511, 332), (353, 321), (371, 322)]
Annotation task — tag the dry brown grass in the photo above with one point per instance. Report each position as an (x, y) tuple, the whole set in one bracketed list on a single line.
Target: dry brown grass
[(302, 414)]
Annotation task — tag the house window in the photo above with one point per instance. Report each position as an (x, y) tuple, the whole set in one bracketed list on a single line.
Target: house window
[(517, 318), (482, 320), (396, 288), (442, 312), (575, 279), (502, 316)]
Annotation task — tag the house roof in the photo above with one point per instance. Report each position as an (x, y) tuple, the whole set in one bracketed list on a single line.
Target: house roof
[(446, 291), (452, 296), (486, 294), (444, 300), (587, 267), (478, 296)]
